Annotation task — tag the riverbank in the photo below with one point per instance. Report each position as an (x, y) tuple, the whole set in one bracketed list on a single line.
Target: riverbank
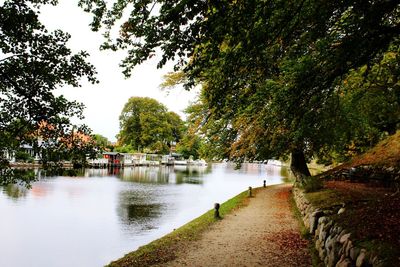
[(260, 230), (353, 213)]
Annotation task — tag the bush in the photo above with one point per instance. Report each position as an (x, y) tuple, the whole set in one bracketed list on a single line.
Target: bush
[(23, 156), (311, 184)]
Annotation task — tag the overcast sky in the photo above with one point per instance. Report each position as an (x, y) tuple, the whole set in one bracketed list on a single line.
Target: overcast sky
[(105, 101)]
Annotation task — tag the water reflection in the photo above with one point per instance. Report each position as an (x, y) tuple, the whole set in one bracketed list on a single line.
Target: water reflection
[(112, 211), (15, 191), (138, 208), (154, 175), (190, 174), (287, 174), (23, 177)]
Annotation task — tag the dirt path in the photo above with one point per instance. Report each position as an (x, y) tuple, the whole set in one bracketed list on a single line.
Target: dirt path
[(264, 233)]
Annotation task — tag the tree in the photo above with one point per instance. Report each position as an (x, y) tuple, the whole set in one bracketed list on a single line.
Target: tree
[(33, 63), (146, 124), (270, 70), (102, 142), (189, 146), (370, 102)]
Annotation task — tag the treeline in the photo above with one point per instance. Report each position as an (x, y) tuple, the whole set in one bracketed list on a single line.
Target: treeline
[(147, 126), (316, 78), (278, 78)]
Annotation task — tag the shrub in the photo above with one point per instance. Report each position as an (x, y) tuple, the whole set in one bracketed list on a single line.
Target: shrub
[(311, 184), (23, 156)]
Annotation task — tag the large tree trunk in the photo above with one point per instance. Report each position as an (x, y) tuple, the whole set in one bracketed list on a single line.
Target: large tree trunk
[(298, 165)]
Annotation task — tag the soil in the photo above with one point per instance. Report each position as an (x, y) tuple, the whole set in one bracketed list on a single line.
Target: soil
[(264, 233)]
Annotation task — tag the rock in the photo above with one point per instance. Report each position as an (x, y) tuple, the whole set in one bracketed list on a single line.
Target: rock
[(343, 262), (332, 258), (322, 220), (341, 210), (339, 230), (314, 220), (322, 235), (390, 169), (342, 232), (354, 252), (361, 259), (322, 254), (327, 228), (378, 263), (318, 244), (329, 243), (344, 238), (349, 246)]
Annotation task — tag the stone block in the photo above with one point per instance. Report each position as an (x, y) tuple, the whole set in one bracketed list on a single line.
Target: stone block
[(333, 258), (342, 210), (344, 238), (314, 220), (361, 259), (349, 246), (354, 252), (343, 262)]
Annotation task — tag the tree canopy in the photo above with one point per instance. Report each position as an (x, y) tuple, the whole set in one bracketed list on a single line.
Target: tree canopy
[(271, 70), (33, 63), (147, 125)]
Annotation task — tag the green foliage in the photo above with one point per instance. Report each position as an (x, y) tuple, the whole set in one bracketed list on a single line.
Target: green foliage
[(147, 125), (172, 79), (125, 149), (23, 156), (312, 184), (102, 142), (270, 70), (33, 63), (190, 146), (17, 176)]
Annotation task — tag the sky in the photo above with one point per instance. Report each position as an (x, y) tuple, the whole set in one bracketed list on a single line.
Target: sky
[(104, 101)]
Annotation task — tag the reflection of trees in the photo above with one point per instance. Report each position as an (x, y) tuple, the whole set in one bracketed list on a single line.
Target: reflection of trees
[(286, 174), (22, 177), (154, 175), (96, 172), (138, 208), (15, 191), (53, 172), (190, 174)]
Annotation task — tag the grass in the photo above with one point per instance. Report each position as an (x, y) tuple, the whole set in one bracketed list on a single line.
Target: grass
[(164, 249), (325, 199), (385, 153), (316, 261)]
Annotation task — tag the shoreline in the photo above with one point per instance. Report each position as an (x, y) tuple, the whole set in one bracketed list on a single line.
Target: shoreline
[(164, 249)]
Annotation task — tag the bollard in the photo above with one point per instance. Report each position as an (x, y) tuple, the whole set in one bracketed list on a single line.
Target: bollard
[(250, 195), (265, 183), (216, 211)]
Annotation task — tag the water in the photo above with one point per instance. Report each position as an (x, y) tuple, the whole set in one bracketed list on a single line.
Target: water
[(92, 219)]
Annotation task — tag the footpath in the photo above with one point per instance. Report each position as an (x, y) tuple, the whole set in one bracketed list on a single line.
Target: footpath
[(264, 233)]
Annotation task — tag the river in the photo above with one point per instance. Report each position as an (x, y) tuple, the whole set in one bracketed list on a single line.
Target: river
[(100, 215)]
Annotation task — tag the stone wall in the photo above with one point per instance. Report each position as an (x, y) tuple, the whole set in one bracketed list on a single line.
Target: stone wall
[(380, 175), (335, 245)]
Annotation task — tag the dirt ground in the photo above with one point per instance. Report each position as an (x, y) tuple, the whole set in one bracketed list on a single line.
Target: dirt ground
[(264, 233)]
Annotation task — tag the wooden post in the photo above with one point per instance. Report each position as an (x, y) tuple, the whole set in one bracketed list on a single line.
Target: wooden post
[(265, 183), (216, 211), (250, 194)]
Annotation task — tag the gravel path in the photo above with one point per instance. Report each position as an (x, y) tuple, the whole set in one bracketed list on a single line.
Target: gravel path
[(264, 233)]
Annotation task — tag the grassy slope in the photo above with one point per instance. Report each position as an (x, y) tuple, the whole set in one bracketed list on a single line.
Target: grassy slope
[(372, 213), (385, 153), (163, 250)]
